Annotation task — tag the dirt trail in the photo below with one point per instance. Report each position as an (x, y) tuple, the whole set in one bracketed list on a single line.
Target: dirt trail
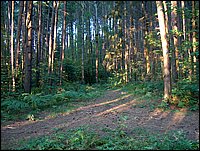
[(106, 111)]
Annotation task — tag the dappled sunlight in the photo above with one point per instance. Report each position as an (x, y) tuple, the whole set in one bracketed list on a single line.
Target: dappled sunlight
[(96, 105), (159, 113), (23, 123), (166, 120), (118, 108), (17, 124), (103, 103), (156, 112), (177, 118), (83, 108)]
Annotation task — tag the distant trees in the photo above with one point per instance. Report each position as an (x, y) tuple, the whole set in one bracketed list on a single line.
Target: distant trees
[(62, 54), (46, 44)]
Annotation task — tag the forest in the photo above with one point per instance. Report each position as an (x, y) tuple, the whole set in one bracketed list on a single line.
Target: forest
[(100, 75)]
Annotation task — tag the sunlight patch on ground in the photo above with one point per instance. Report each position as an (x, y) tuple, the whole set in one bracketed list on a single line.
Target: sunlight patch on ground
[(17, 124), (177, 118), (96, 105), (119, 108), (157, 114)]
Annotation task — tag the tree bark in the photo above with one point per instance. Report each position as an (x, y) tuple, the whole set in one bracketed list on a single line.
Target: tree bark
[(12, 46), (194, 39), (63, 41), (166, 73), (18, 37), (47, 41), (96, 38), (51, 43), (82, 54), (28, 51), (39, 43), (146, 52), (55, 35), (174, 20), (24, 38)]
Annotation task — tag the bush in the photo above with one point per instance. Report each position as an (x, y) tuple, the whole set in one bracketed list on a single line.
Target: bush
[(85, 139), (185, 94), (72, 70)]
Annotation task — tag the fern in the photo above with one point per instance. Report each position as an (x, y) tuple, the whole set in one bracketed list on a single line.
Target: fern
[(13, 105), (71, 94)]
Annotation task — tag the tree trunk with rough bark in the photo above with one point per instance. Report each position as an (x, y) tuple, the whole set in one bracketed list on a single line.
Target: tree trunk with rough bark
[(166, 70), (28, 51)]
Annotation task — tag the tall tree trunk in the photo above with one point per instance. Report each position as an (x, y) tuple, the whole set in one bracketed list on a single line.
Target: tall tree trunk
[(131, 41), (126, 43), (166, 17), (136, 48), (51, 43), (55, 35), (185, 38), (12, 46), (146, 52), (47, 41), (183, 19), (8, 42), (28, 51), (63, 41), (72, 40), (166, 73), (174, 21), (194, 39), (96, 38), (82, 56), (122, 35), (24, 38), (18, 37), (151, 54), (39, 43)]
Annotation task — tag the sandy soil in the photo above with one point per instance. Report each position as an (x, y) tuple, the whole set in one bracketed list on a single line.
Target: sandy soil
[(106, 111)]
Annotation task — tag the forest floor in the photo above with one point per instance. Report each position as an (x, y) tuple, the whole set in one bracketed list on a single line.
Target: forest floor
[(108, 111)]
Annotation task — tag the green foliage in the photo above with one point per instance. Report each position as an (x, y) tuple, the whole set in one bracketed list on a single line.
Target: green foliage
[(83, 138), (152, 39), (149, 89), (89, 73), (164, 104), (72, 70), (117, 79), (186, 94), (13, 105), (10, 107), (71, 92), (37, 101)]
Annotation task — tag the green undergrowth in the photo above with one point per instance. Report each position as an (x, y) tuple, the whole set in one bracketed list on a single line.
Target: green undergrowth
[(145, 90), (185, 94), (73, 95), (146, 94), (60, 99), (83, 138)]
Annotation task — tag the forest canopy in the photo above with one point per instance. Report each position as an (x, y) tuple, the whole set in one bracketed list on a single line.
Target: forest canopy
[(119, 68), (46, 44)]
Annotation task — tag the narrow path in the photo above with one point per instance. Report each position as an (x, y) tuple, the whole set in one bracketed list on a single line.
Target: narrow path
[(106, 111)]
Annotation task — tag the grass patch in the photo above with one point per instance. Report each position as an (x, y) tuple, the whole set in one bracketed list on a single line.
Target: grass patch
[(83, 138), (59, 101)]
